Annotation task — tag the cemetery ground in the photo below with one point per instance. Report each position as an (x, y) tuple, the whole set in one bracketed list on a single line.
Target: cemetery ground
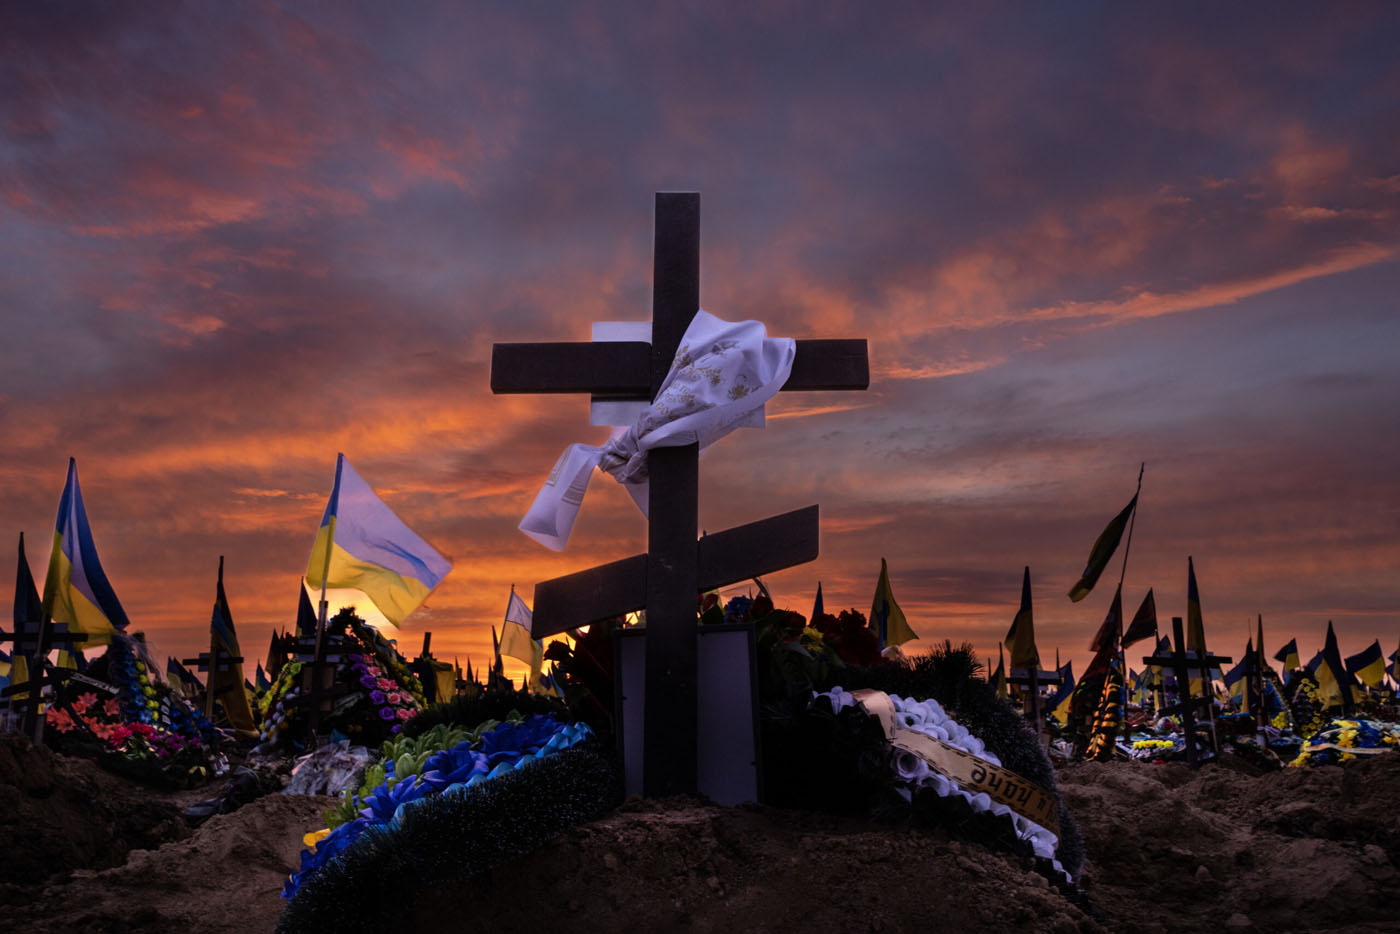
[(1169, 849)]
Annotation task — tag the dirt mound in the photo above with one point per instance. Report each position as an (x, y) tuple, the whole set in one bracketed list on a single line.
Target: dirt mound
[(1297, 850), (1169, 850), (58, 814), (685, 864), (225, 878)]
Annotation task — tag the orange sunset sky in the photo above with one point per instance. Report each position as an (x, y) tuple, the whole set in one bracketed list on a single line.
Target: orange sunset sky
[(236, 239)]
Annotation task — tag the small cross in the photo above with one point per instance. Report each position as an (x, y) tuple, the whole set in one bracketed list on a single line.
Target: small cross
[(1182, 665), (676, 568), (212, 661), (33, 640)]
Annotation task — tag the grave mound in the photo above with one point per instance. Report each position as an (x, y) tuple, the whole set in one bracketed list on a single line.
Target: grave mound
[(59, 813)]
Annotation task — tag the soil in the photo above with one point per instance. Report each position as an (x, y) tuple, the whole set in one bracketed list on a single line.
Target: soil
[(1169, 850)]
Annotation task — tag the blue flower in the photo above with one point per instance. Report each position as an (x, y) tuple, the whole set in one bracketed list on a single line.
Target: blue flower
[(384, 802)]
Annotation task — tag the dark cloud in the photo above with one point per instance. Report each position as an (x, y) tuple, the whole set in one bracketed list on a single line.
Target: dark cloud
[(1077, 237)]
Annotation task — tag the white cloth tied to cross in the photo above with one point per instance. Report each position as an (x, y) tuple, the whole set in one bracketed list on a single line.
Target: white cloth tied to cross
[(723, 374)]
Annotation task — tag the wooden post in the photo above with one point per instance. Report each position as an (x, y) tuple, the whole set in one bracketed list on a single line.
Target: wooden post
[(1181, 666)]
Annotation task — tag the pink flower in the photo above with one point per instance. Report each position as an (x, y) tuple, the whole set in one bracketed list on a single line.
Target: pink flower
[(395, 698), (384, 684), (112, 708), (404, 714)]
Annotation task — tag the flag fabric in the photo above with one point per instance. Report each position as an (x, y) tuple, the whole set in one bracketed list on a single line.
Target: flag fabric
[(1102, 552), (1112, 625), (306, 615), (29, 609), (1288, 655), (1237, 678), (1020, 638), (1195, 624), (515, 637), (1395, 665), (886, 618), (818, 607), (76, 590), (260, 679), (999, 679), (1333, 682), (180, 675), (1368, 665), (1144, 622), (362, 545), (228, 684), (1059, 702)]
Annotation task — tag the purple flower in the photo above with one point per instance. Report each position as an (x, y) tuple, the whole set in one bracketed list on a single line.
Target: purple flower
[(367, 682), (386, 713), (376, 697)]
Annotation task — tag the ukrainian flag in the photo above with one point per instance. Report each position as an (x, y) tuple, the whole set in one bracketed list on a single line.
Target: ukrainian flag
[(1368, 665), (363, 546), (1060, 703), (76, 590), (1289, 656), (516, 641), (1333, 681), (886, 618)]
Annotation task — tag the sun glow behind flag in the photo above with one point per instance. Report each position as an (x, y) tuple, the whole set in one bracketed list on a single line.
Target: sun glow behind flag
[(363, 546)]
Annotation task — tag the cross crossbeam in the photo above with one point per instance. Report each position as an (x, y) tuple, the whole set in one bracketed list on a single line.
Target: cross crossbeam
[(1182, 664), (736, 554)]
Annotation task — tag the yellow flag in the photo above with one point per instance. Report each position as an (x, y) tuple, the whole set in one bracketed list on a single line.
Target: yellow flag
[(886, 618)]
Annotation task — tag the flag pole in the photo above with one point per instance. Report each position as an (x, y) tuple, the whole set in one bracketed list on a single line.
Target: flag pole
[(1122, 575)]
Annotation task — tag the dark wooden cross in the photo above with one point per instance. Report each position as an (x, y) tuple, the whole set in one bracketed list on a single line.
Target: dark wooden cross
[(1032, 679), (213, 661), (1182, 665), (319, 654), (32, 641), (676, 568)]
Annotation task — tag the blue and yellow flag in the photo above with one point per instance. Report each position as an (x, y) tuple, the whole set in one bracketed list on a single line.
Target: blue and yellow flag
[(1333, 682), (1395, 665), (517, 642), (1059, 702), (1368, 665), (76, 590), (886, 618), (1288, 655), (228, 683), (1020, 638), (363, 546), (1237, 678)]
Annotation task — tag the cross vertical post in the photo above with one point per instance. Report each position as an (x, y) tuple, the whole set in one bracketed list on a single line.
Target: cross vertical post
[(671, 712)]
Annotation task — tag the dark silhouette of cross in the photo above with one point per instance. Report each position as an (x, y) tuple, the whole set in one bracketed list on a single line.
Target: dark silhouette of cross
[(676, 568), (1182, 664)]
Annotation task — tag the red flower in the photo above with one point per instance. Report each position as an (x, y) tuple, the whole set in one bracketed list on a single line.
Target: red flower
[(59, 719)]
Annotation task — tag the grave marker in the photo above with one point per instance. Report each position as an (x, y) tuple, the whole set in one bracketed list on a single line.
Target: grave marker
[(1182, 664), (675, 569)]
